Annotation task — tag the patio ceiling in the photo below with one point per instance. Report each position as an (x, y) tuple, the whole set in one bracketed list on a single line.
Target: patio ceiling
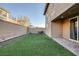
[(71, 12)]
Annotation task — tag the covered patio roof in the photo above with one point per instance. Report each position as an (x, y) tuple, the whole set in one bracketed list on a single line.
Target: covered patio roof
[(71, 12)]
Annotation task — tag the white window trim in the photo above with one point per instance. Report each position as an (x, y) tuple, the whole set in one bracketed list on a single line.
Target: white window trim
[(77, 30)]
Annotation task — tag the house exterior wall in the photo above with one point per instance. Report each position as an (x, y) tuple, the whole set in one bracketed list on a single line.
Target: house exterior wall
[(55, 28), (66, 28), (48, 29), (23, 21), (61, 28), (55, 9), (48, 22), (9, 30), (3, 14)]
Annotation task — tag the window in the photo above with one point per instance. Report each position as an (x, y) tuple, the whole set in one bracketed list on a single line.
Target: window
[(73, 29)]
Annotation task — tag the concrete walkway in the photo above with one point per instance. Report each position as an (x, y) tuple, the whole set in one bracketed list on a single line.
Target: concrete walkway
[(68, 44)]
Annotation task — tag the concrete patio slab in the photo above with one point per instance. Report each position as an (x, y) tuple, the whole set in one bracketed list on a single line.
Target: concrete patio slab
[(68, 44)]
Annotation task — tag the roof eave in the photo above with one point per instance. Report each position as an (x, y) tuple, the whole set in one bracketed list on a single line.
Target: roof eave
[(46, 7)]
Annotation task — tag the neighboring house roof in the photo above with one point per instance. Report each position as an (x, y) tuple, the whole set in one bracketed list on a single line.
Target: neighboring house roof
[(23, 21), (10, 19), (4, 9), (46, 7)]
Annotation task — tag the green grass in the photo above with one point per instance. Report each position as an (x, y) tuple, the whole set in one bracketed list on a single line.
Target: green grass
[(34, 45)]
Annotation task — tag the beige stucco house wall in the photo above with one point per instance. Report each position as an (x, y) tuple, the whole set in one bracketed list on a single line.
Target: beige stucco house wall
[(58, 17), (48, 28), (60, 28), (54, 10), (66, 29), (56, 29)]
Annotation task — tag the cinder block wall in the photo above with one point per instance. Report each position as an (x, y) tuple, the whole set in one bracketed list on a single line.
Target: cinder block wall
[(10, 30), (36, 30)]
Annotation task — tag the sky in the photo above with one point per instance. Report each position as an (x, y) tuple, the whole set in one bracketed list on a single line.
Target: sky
[(34, 11)]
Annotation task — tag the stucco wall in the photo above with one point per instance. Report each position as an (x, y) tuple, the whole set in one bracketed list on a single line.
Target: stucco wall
[(56, 29), (61, 28), (9, 30), (55, 9), (48, 29), (48, 26), (66, 28)]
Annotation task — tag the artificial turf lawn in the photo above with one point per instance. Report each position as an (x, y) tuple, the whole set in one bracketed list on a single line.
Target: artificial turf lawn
[(34, 45)]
